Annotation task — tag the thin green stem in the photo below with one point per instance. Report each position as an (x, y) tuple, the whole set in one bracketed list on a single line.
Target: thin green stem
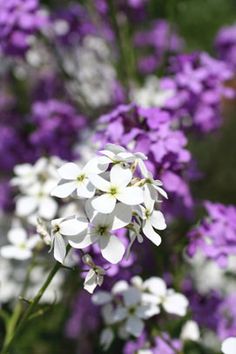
[(30, 310)]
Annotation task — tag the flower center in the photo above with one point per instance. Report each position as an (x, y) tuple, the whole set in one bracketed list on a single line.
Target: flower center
[(102, 230), (81, 178), (113, 191), (56, 229)]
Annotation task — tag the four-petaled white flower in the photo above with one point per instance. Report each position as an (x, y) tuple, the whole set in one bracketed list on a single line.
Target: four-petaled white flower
[(22, 246), (229, 346), (64, 231), (76, 179), (100, 231), (155, 291), (116, 189), (132, 312)]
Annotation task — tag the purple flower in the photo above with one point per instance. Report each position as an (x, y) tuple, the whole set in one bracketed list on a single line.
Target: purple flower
[(161, 40), (227, 318), (215, 236), (19, 21), (57, 128), (198, 81), (226, 45)]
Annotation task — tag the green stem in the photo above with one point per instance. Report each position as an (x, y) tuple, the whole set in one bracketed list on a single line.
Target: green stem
[(13, 336)]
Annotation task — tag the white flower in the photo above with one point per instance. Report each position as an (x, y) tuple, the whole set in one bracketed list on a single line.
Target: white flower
[(115, 190), (229, 346), (21, 247), (37, 201), (151, 219), (75, 179), (154, 186), (190, 331), (133, 312), (101, 227), (65, 231), (155, 291), (35, 183), (94, 276)]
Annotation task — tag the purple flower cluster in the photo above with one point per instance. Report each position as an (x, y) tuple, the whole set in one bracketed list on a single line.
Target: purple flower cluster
[(225, 44), (160, 40), (215, 236), (19, 21), (198, 81), (57, 128), (226, 326), (150, 131)]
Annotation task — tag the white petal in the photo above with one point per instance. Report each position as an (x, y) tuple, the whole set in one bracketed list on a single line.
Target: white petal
[(17, 236), (158, 220), (150, 233), (104, 203), (106, 338), (26, 206), (120, 314), (190, 331), (13, 252), (99, 182), (69, 171), (119, 287), (134, 326), (101, 298), (120, 176), (90, 282), (122, 216), (229, 346), (131, 196), (143, 168), (59, 248), (85, 189), (155, 286), (147, 311), (72, 227), (176, 304), (96, 165), (47, 208), (112, 248), (81, 241), (64, 190), (132, 296), (116, 149)]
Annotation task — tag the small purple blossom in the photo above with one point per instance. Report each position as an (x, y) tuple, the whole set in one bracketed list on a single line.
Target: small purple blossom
[(161, 40), (19, 21), (225, 44), (215, 236)]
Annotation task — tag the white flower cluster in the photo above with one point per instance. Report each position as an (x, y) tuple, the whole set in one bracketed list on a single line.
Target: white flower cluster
[(35, 183), (127, 306), (115, 191)]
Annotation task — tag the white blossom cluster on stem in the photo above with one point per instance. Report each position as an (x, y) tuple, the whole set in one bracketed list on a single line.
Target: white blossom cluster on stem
[(126, 307), (114, 190)]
